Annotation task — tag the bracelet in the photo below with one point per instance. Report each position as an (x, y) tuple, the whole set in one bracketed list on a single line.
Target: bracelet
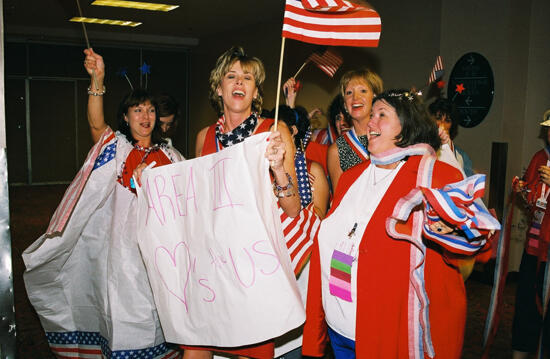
[(284, 191), (90, 92)]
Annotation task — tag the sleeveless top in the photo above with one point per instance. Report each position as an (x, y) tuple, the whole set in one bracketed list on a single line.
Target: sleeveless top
[(348, 157), (210, 139)]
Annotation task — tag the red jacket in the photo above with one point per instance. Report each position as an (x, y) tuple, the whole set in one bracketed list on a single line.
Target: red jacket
[(383, 280)]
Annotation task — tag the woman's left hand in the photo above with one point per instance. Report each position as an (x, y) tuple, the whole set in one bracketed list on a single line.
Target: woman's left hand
[(544, 173), (275, 152), (440, 227), (139, 170)]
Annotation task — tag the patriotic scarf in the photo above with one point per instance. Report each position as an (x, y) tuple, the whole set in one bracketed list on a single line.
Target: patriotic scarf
[(453, 203), (356, 145), (238, 134)]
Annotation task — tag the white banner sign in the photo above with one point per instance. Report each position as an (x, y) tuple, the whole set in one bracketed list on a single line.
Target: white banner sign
[(211, 239)]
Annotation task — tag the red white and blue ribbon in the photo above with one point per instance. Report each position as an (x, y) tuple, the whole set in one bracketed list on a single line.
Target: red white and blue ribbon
[(356, 145), (420, 339), (455, 204)]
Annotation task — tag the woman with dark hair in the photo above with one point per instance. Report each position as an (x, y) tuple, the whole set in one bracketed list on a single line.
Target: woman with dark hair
[(373, 268), (446, 118), (236, 94), (169, 113), (311, 175), (358, 88), (85, 276)]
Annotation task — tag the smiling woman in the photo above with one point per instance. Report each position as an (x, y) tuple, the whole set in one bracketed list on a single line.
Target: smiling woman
[(97, 298), (365, 308), (358, 88), (236, 94)]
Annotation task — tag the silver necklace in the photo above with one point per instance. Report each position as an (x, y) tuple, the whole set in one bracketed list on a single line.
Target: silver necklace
[(387, 175)]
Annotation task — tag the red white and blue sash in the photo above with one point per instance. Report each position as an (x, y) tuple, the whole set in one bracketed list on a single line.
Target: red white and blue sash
[(356, 145)]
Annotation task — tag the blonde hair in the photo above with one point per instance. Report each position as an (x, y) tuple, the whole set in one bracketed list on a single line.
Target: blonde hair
[(371, 78), (223, 64)]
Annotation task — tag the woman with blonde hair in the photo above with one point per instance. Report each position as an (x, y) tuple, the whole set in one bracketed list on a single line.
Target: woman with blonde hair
[(236, 94), (358, 88)]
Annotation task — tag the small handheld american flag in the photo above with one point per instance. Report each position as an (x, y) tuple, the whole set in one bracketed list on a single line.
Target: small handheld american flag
[(329, 61), (437, 71)]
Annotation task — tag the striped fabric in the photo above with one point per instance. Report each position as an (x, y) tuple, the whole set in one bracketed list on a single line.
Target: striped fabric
[(329, 61), (437, 71), (91, 345), (420, 339), (72, 194), (340, 275), (454, 203), (299, 232), (331, 22)]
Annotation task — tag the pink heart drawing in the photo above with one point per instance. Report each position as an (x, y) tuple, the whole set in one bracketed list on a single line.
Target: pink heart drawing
[(161, 251)]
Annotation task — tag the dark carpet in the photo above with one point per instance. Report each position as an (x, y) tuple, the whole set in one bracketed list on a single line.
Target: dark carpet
[(32, 206)]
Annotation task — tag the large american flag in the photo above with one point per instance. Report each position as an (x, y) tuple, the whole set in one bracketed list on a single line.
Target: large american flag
[(331, 22), (329, 61)]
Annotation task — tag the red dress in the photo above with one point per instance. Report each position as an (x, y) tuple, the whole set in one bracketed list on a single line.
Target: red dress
[(262, 350), (135, 158), (317, 152), (383, 280)]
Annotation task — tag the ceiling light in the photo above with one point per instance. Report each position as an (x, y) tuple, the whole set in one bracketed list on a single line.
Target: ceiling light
[(105, 21), (135, 5)]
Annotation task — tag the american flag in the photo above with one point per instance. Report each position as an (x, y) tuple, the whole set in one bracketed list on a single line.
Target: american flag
[(437, 71), (329, 61), (92, 345), (331, 22), (72, 194), (299, 232)]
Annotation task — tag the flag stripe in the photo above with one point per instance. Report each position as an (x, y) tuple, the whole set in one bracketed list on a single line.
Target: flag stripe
[(299, 233), (437, 70), (331, 24)]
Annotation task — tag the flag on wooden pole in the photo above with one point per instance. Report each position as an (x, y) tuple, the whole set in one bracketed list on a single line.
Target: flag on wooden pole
[(335, 23)]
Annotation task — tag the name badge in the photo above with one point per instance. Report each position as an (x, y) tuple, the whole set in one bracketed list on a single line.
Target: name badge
[(541, 203), (538, 216)]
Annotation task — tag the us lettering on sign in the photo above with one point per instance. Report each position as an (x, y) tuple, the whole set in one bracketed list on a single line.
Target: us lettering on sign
[(211, 239)]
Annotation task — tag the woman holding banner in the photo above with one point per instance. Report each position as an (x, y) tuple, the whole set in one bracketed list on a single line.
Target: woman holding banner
[(358, 87), (378, 308), (85, 276), (236, 94)]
